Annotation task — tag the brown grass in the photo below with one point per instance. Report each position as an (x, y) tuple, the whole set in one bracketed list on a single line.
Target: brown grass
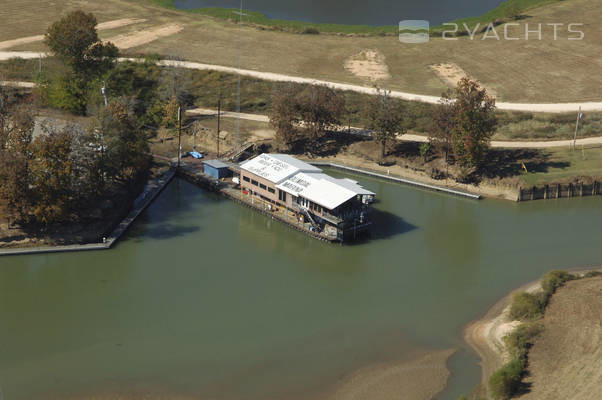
[(566, 359), (522, 71)]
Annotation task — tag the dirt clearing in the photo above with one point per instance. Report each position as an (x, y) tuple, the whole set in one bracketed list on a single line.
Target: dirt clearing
[(451, 73), (127, 41), (368, 65), (566, 360), (118, 23)]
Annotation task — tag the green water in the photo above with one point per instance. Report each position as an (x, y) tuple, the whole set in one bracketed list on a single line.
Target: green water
[(205, 297)]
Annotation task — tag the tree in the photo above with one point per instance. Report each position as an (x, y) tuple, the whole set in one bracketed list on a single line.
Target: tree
[(387, 117), (170, 112), (474, 122), (465, 121), (283, 115), (320, 108), (51, 172), (442, 127), (75, 40), (16, 130), (127, 153)]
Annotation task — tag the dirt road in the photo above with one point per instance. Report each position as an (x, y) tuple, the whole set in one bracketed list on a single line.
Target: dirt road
[(270, 76), (419, 138)]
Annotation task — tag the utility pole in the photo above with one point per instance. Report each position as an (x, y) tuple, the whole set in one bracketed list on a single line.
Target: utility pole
[(104, 93), (219, 112), (579, 116), (179, 135)]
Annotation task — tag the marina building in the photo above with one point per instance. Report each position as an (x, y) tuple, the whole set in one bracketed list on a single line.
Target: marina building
[(339, 206)]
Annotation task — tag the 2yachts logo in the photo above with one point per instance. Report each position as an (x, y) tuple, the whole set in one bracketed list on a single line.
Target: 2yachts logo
[(417, 31), (414, 31)]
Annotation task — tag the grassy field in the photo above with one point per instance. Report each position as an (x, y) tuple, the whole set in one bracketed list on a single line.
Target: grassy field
[(521, 71), (564, 165)]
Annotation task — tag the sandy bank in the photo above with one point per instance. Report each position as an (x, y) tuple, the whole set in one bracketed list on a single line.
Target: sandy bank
[(486, 335), (420, 378)]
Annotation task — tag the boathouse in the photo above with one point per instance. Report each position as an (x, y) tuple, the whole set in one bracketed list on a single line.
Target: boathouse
[(328, 203), (215, 169)]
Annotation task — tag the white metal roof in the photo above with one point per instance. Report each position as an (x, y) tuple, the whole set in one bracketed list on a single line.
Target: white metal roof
[(276, 167), (327, 194), (350, 184), (322, 189)]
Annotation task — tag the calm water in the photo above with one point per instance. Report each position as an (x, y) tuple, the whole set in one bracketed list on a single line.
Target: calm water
[(356, 12), (206, 297)]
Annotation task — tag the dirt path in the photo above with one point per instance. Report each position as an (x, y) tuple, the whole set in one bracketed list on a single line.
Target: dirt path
[(270, 76), (118, 23), (419, 138)]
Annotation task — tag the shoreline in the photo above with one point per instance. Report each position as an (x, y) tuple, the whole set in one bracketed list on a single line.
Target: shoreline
[(485, 334), (397, 171), (259, 19)]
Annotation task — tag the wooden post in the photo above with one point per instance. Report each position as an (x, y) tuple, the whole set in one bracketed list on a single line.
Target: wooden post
[(520, 193), (219, 109), (179, 135), (533, 193), (545, 192), (576, 128), (581, 189), (594, 188), (558, 190)]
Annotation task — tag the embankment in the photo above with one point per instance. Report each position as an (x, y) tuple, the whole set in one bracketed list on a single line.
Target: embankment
[(486, 334)]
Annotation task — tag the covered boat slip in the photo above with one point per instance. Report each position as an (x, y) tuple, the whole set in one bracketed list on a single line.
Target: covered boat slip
[(327, 202)]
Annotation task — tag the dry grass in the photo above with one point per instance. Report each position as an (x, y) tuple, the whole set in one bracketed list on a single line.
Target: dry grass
[(522, 71), (566, 359)]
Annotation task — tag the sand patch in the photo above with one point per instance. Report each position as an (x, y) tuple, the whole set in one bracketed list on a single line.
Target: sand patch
[(451, 74), (118, 23), (420, 378), (263, 134), (7, 44), (369, 65), (139, 38)]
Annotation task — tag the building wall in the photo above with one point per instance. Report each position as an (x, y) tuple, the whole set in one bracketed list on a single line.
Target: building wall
[(258, 189)]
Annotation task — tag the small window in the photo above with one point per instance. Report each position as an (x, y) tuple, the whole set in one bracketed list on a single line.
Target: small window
[(254, 182), (261, 185), (246, 179), (271, 190)]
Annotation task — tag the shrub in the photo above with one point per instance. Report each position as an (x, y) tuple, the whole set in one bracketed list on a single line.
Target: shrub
[(553, 280), (526, 306), (310, 31), (592, 274), (520, 340), (505, 381)]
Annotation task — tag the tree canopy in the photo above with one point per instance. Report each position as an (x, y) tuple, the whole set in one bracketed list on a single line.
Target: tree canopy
[(388, 117), (465, 121), (74, 39)]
